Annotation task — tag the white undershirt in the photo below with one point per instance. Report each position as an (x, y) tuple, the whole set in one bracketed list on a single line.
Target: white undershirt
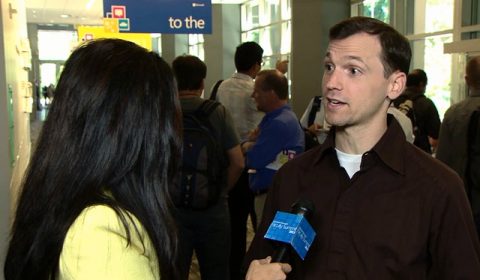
[(350, 162)]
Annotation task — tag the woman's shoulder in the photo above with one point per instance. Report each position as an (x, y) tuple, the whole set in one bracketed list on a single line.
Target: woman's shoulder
[(97, 244), (98, 217)]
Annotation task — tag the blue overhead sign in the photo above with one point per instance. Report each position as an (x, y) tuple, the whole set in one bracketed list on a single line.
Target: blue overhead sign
[(160, 16)]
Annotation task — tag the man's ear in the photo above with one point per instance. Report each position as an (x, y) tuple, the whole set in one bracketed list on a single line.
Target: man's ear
[(396, 85), (202, 85)]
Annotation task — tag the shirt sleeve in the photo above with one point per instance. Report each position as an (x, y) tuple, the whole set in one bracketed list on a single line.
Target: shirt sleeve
[(96, 247), (269, 143)]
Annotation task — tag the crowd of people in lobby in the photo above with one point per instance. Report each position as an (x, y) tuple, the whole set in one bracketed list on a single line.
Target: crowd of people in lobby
[(135, 171)]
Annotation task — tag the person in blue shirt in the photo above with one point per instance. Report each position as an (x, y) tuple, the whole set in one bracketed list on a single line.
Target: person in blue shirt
[(278, 137)]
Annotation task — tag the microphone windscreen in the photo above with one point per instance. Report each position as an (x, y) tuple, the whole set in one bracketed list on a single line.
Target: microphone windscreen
[(292, 229)]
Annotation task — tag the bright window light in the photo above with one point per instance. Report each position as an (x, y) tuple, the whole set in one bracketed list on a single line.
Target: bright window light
[(55, 44)]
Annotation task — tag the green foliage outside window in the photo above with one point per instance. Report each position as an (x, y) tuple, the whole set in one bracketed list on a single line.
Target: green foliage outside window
[(379, 9)]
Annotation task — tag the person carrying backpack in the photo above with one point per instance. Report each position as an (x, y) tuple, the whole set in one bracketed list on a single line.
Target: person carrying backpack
[(421, 111), (312, 122), (212, 163)]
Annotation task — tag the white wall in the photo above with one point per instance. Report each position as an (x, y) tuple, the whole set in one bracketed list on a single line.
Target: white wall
[(13, 27)]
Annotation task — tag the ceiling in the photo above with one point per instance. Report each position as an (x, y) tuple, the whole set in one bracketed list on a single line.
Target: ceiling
[(87, 12)]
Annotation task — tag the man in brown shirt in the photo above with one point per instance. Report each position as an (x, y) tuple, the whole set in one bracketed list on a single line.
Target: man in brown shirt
[(384, 209)]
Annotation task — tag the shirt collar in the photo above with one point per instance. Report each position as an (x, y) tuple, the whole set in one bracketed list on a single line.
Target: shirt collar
[(277, 111), (391, 146), (389, 149), (242, 76)]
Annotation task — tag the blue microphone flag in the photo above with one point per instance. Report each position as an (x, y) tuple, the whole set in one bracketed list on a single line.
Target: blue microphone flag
[(293, 229)]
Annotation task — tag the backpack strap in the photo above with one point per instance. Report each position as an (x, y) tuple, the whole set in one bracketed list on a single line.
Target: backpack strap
[(203, 112), (213, 94), (206, 108), (317, 101)]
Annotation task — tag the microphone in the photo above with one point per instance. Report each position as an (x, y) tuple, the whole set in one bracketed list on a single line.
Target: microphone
[(292, 230)]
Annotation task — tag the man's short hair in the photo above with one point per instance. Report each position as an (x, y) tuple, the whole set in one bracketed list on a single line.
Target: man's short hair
[(247, 55), (417, 77), (274, 80), (396, 52), (189, 72)]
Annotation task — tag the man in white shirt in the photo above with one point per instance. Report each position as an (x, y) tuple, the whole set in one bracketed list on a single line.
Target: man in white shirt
[(235, 94)]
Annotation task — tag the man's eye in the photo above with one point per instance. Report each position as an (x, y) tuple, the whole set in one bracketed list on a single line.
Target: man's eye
[(328, 67), (354, 71)]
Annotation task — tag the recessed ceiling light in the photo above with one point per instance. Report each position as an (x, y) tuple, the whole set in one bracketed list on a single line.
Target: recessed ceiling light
[(65, 16)]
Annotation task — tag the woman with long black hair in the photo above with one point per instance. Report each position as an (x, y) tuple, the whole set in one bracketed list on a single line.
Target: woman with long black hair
[(94, 203)]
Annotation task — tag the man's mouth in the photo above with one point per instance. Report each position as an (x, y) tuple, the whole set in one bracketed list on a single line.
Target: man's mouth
[(335, 102)]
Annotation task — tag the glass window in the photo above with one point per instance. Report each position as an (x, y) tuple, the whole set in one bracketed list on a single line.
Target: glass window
[(267, 22), (470, 35), (434, 22), (379, 9), (423, 16), (418, 19), (470, 12), (286, 42), (250, 18), (272, 10), (428, 55), (253, 35), (48, 74), (286, 10), (157, 43), (196, 45), (56, 44)]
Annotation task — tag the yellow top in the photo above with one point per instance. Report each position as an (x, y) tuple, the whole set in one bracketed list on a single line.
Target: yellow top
[(95, 247)]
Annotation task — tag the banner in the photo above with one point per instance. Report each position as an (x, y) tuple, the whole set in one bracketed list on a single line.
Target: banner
[(159, 16)]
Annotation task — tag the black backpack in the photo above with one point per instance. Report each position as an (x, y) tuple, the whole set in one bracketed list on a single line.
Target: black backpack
[(472, 172), (204, 161), (406, 105), (311, 139)]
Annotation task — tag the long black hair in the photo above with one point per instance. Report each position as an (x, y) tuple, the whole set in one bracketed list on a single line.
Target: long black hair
[(114, 127)]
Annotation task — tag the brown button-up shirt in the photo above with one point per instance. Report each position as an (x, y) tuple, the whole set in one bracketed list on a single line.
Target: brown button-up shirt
[(404, 215)]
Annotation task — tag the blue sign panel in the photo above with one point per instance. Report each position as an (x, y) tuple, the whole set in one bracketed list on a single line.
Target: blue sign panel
[(160, 16)]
